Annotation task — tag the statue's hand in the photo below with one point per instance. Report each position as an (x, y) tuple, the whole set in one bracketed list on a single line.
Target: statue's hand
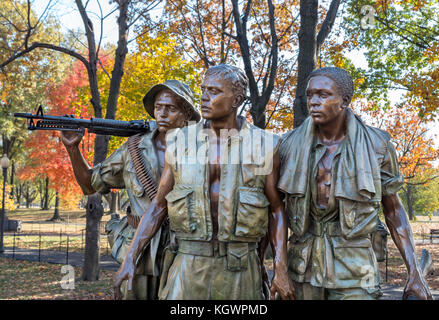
[(282, 285), (71, 138), (417, 287), (125, 272)]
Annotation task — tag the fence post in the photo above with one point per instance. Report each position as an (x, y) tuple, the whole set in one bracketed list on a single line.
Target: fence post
[(39, 249), (82, 239), (60, 240), (67, 253), (423, 235), (387, 259), (13, 248)]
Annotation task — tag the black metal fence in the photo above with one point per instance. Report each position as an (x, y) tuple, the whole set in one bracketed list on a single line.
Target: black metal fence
[(38, 243)]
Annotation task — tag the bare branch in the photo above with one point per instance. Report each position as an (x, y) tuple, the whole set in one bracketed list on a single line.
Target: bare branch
[(231, 36), (142, 13), (281, 92), (247, 12), (200, 28), (47, 46), (327, 23), (103, 68), (241, 34), (412, 41), (274, 54), (102, 31)]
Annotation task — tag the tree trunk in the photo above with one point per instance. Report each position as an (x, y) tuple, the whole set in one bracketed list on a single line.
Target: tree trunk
[(41, 191), (118, 200), (56, 216), (113, 202), (409, 199), (95, 210), (258, 99), (11, 196), (307, 56), (27, 195), (46, 195), (18, 193), (309, 44)]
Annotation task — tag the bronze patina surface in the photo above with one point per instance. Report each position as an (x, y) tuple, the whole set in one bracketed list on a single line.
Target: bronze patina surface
[(171, 103), (335, 173), (219, 208)]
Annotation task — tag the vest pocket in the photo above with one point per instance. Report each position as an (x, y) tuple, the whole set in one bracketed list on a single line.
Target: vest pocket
[(237, 256), (299, 253), (252, 213), (179, 204), (355, 260)]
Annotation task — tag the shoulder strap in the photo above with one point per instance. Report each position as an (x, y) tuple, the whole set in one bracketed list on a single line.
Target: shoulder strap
[(148, 184)]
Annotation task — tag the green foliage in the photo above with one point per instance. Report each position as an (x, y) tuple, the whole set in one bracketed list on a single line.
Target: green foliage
[(424, 196), (401, 51)]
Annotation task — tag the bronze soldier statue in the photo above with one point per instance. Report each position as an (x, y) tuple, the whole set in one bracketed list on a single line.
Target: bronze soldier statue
[(171, 104), (219, 207), (335, 172)]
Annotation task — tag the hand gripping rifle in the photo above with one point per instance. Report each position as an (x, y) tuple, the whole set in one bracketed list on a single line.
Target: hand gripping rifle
[(94, 125)]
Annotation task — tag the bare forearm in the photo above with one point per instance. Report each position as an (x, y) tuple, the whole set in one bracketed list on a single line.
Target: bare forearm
[(148, 226), (278, 232), (81, 169), (278, 227), (399, 227)]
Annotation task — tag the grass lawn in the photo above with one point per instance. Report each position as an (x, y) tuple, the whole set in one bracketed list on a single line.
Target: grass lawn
[(23, 280), (36, 221), (33, 280), (397, 272)]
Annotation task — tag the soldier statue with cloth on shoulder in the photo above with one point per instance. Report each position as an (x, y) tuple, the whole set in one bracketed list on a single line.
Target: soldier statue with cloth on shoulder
[(335, 172)]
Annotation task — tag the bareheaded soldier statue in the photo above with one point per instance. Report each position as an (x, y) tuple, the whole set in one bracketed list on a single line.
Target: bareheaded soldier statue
[(219, 190), (335, 173), (171, 104)]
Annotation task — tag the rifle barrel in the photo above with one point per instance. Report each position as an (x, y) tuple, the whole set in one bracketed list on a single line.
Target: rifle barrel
[(95, 125)]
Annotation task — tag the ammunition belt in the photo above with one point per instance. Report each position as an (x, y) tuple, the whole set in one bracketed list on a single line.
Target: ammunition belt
[(144, 176)]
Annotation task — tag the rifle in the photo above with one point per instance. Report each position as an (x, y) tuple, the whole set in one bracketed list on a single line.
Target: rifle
[(94, 125)]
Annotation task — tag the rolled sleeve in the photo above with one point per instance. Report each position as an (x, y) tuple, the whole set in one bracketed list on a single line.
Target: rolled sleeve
[(391, 178), (109, 173)]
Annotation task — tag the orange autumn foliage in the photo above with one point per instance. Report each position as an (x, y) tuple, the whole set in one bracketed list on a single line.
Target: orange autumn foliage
[(47, 155), (415, 148)]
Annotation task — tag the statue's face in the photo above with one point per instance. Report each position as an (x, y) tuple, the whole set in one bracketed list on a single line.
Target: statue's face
[(168, 112), (217, 97), (325, 103)]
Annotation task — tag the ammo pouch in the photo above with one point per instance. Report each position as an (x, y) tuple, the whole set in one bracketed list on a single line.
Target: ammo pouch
[(120, 234), (237, 255), (379, 241)]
